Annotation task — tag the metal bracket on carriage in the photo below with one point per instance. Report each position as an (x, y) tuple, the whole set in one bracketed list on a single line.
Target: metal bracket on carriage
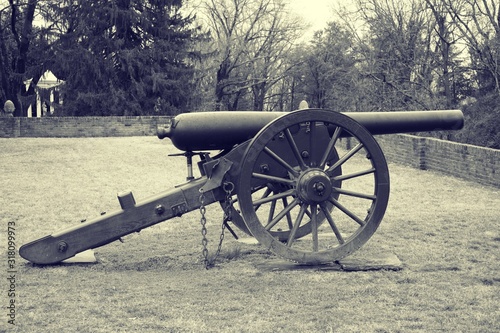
[(215, 171)]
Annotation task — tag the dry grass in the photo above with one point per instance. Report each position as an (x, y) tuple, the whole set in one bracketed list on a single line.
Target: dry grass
[(444, 230)]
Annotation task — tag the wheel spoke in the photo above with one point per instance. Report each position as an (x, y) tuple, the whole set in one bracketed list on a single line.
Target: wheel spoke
[(355, 194), (344, 158), (354, 174), (295, 149), (258, 187), (281, 161), (272, 209), (330, 147), (296, 226), (314, 227), (347, 211), (332, 223), (288, 217), (273, 197), (265, 195), (312, 142), (308, 213), (273, 178), (281, 214)]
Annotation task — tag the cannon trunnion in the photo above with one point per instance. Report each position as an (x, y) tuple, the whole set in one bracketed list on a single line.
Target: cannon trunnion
[(293, 184)]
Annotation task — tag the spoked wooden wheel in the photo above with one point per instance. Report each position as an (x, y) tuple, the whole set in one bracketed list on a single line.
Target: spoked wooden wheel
[(283, 231), (303, 157), (281, 195)]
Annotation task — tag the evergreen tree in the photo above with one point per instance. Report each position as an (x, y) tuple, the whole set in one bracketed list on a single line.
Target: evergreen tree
[(22, 53), (125, 57)]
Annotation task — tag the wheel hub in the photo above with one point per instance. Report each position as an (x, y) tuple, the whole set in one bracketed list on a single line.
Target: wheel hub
[(314, 186)]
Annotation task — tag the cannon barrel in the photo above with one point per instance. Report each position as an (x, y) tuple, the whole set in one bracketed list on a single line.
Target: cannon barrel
[(223, 129)]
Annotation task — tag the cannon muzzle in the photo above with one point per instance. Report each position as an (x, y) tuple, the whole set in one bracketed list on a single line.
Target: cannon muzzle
[(224, 129)]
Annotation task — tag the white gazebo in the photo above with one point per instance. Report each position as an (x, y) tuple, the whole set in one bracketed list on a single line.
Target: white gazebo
[(45, 101)]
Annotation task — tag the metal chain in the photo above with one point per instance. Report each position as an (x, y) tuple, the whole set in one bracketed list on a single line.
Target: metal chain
[(203, 222), (228, 188)]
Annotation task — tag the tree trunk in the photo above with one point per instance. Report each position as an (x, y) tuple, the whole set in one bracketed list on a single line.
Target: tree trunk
[(17, 88)]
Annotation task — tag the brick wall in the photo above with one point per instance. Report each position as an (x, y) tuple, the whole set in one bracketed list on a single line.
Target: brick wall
[(478, 164), (469, 162), (80, 126), (9, 127), (404, 149), (464, 161)]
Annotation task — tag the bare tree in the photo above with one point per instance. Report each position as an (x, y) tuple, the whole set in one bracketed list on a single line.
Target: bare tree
[(396, 52), (479, 24), (251, 38)]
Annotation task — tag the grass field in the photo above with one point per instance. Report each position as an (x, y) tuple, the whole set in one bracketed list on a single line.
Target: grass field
[(444, 230)]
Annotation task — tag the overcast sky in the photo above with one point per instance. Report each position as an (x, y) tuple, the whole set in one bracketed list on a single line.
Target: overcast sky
[(315, 12)]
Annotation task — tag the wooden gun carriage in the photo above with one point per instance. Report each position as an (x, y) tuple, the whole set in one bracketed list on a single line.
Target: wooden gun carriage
[(312, 186)]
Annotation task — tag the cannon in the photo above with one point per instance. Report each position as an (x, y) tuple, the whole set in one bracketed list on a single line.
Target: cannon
[(312, 185)]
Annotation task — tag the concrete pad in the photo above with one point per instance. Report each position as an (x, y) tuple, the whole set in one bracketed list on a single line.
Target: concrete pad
[(372, 262), (360, 262), (248, 240), (370, 257), (275, 265), (85, 257)]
